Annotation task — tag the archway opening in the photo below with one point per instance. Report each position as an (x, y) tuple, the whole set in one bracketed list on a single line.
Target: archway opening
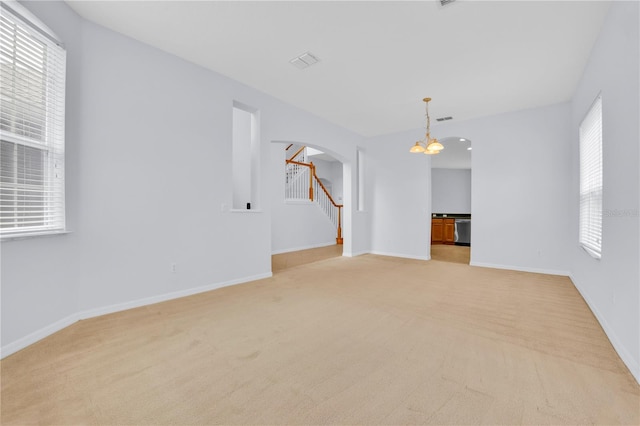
[(309, 203), (451, 201)]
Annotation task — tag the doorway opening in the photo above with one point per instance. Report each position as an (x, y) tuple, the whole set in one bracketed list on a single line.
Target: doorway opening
[(451, 202), (308, 214)]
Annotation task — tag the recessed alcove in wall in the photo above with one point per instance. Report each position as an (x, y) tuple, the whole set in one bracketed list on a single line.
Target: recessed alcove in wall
[(245, 157)]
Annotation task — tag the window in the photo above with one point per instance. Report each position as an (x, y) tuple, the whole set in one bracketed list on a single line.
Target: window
[(32, 81), (591, 180)]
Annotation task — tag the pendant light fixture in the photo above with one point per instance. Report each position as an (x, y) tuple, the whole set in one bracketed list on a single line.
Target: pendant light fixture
[(429, 145)]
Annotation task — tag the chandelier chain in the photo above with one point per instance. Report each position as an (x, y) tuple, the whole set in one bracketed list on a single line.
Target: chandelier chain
[(428, 146), (428, 123)]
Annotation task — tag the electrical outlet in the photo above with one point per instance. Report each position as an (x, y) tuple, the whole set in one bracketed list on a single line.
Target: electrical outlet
[(174, 268)]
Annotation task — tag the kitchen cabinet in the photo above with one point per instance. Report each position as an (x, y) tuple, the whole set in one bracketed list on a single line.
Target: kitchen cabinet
[(449, 231), (437, 231), (443, 230)]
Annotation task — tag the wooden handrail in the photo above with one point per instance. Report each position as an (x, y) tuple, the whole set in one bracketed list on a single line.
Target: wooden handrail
[(339, 239), (313, 174), (296, 154), (324, 189), (298, 163), (287, 148)]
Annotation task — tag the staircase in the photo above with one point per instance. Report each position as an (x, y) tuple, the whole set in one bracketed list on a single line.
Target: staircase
[(302, 183)]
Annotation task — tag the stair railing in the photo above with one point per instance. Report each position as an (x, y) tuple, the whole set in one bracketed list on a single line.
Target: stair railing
[(327, 204), (301, 178), (297, 175), (301, 175)]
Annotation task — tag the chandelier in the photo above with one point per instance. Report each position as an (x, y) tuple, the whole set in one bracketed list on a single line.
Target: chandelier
[(429, 145)]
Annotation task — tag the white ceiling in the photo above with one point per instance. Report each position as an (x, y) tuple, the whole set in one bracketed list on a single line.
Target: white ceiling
[(377, 59)]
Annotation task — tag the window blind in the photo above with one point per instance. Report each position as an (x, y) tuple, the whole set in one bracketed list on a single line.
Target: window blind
[(591, 180), (32, 104)]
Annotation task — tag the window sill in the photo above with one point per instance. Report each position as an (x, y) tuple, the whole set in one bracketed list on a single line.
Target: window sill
[(245, 211), (595, 255), (25, 236)]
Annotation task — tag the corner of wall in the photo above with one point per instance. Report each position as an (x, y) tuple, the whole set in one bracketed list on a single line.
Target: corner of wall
[(621, 350)]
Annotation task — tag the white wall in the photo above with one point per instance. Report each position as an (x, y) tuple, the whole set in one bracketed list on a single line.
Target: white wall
[(300, 226), (450, 190), (324, 170), (362, 207), (519, 191), (332, 171), (611, 285), (30, 300), (338, 181), (148, 185), (398, 194), (520, 188)]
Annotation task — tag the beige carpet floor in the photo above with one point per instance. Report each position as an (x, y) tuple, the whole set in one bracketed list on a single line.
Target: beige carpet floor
[(366, 340)]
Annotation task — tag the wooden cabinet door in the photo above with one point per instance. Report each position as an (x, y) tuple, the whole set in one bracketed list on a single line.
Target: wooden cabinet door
[(437, 231), (449, 231)]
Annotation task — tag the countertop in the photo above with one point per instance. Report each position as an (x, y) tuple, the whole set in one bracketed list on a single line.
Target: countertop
[(451, 216)]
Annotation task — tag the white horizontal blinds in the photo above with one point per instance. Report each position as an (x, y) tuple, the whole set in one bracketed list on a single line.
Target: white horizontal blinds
[(591, 180), (32, 82)]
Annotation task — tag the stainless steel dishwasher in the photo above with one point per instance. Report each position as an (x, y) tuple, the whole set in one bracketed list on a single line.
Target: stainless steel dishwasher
[(463, 232)]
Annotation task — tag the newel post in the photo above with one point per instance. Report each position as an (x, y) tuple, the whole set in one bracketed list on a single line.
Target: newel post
[(312, 172), (339, 239)]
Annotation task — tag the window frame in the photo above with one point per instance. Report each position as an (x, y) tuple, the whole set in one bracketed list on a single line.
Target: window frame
[(49, 176), (591, 186)]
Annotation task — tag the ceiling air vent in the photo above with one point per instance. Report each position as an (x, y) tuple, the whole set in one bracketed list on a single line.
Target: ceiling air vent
[(305, 60), (446, 2), (444, 118)]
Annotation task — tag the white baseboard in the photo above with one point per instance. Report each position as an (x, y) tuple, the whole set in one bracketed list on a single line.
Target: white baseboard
[(405, 256), (354, 254), (521, 268), (289, 250), (629, 361), (96, 312), (32, 338)]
